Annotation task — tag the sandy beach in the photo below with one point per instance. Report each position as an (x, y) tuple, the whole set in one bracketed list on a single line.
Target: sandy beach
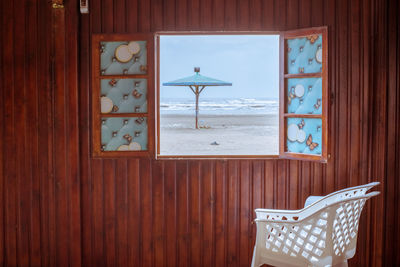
[(234, 134)]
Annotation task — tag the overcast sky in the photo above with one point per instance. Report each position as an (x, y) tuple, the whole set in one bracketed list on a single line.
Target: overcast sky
[(249, 62)]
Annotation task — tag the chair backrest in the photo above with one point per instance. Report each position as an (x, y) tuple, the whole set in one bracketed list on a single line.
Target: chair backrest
[(322, 202), (333, 198), (321, 234), (348, 192)]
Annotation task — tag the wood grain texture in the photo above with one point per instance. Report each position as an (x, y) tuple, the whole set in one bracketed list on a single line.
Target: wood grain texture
[(60, 207)]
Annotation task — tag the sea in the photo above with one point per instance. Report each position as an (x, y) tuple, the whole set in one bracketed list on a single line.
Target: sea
[(220, 106)]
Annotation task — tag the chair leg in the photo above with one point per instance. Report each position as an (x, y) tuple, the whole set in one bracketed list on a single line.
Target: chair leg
[(255, 260)]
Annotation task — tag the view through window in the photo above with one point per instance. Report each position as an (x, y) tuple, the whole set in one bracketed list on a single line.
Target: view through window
[(235, 81)]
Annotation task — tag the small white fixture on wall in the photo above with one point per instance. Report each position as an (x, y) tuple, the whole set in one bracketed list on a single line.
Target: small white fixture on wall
[(84, 4)]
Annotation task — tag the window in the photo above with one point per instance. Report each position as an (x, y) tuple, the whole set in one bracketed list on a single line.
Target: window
[(229, 105), (304, 100), (136, 110), (123, 117)]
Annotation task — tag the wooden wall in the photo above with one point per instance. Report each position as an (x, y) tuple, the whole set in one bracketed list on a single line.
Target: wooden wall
[(60, 207)]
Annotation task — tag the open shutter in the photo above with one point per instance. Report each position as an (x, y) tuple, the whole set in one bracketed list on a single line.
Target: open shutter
[(304, 96), (122, 95)]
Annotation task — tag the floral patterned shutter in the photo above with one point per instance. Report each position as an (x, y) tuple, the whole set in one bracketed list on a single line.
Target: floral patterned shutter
[(122, 95), (304, 97)]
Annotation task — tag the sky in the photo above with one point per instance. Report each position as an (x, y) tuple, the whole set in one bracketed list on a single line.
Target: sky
[(249, 62)]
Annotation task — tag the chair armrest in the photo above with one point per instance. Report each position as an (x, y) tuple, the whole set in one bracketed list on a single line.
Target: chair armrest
[(272, 215), (311, 199)]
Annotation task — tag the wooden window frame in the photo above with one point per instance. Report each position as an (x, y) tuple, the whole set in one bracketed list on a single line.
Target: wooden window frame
[(96, 78), (153, 95), (283, 94)]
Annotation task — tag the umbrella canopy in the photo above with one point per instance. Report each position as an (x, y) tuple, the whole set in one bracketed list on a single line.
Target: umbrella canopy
[(198, 80), (197, 83)]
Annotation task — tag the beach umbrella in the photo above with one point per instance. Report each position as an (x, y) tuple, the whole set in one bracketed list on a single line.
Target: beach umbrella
[(197, 83)]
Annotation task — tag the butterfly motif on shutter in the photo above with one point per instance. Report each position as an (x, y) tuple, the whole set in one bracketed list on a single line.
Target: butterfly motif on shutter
[(310, 143)]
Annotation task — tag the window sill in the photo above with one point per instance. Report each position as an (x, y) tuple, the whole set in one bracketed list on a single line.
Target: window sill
[(214, 157)]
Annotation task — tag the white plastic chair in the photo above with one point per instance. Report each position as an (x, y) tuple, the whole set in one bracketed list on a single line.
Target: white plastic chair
[(323, 233)]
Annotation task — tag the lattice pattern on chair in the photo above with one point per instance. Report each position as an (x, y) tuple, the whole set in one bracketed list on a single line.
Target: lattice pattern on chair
[(323, 233), (306, 239), (345, 225)]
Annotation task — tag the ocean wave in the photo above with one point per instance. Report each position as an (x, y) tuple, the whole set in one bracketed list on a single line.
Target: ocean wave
[(240, 105)]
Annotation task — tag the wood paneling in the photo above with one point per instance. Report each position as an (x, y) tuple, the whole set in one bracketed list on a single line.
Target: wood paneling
[(61, 207)]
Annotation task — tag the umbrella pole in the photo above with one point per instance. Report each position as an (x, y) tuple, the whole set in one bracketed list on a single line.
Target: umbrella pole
[(197, 106)]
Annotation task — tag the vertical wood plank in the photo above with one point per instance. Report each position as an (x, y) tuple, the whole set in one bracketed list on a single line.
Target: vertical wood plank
[(342, 76), (281, 191), (73, 179), (96, 12), (269, 178), (195, 214), (391, 206), (44, 128), (134, 212), (131, 15), (181, 19), (293, 180), (157, 15), (206, 14), (244, 213), (233, 213), (194, 15), (121, 184), (146, 218), (218, 14), (379, 129), (207, 209), (107, 16), (159, 214), (305, 186), (170, 213), (182, 213), (230, 14), (364, 228), (119, 13), (268, 15), (397, 149), (221, 220), (354, 101), (2, 180), (317, 11), (257, 196), (305, 13), (60, 130), (318, 180), (144, 15), (23, 185), (109, 212), (85, 140), (292, 20), (281, 13), (255, 14), (98, 212), (243, 15), (169, 15), (31, 154)]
